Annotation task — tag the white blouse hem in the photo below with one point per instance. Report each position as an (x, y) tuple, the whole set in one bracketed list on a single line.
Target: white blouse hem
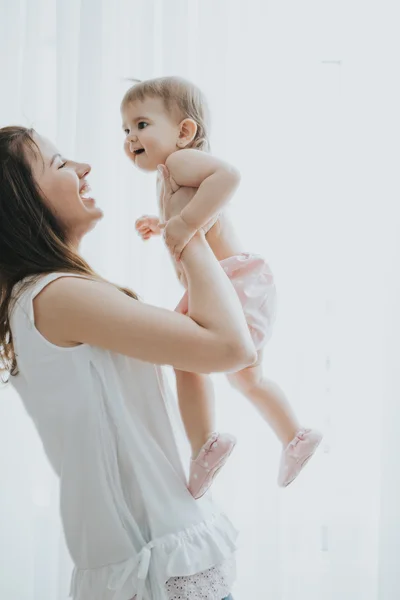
[(185, 553)]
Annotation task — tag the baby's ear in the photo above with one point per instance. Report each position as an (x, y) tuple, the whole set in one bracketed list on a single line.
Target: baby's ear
[(187, 132)]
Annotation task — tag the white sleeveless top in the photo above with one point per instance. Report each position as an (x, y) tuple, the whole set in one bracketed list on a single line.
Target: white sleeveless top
[(106, 424)]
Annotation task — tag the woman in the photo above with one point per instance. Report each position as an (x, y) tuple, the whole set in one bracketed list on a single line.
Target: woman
[(84, 357)]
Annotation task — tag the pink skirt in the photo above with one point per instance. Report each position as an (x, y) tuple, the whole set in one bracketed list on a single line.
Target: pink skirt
[(254, 283)]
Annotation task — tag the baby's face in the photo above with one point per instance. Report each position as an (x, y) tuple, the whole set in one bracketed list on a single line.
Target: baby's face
[(151, 133)]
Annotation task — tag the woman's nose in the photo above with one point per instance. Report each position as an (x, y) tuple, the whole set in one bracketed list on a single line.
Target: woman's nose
[(83, 170)]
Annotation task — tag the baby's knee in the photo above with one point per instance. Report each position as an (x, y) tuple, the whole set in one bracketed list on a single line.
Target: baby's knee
[(246, 379)]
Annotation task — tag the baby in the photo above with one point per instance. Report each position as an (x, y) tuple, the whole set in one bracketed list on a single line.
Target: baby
[(166, 122)]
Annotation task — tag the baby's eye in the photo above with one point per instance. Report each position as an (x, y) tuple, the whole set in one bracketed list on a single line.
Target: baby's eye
[(63, 164), (142, 125), (126, 131)]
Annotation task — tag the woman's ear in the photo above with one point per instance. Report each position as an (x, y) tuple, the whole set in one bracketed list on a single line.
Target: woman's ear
[(187, 133)]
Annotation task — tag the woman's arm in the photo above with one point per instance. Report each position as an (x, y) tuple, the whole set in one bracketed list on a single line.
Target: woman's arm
[(213, 338)]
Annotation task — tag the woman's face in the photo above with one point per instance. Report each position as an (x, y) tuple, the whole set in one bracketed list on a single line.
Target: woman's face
[(65, 189)]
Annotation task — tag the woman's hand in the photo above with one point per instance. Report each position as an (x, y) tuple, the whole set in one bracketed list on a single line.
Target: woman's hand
[(177, 235), (168, 187)]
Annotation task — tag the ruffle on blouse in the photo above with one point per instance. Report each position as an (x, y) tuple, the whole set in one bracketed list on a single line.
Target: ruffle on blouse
[(144, 575)]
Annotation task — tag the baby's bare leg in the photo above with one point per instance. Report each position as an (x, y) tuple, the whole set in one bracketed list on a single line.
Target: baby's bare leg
[(269, 400), (196, 404)]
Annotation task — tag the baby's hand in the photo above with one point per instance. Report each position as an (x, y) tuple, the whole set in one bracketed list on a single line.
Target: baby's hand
[(177, 235), (147, 226)]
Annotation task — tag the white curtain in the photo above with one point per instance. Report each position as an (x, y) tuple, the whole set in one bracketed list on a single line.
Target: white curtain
[(305, 101)]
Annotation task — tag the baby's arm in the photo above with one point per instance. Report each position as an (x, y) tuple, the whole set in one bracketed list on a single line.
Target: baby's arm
[(215, 182)]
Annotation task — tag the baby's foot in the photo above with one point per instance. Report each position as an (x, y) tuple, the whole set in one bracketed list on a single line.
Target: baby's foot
[(209, 461), (297, 454)]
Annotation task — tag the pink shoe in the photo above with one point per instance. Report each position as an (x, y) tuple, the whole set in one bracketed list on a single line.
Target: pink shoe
[(210, 460), (297, 454)]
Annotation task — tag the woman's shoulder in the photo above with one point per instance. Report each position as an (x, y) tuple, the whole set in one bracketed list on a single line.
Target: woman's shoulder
[(33, 285), (63, 302), (52, 303), (47, 290), (68, 286)]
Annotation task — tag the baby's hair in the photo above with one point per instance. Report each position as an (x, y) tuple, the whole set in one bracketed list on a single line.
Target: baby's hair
[(178, 96)]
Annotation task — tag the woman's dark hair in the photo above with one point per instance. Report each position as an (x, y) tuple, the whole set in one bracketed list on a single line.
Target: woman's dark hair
[(32, 241)]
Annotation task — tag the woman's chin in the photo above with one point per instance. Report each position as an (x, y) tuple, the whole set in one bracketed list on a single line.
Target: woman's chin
[(92, 209), (96, 215)]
